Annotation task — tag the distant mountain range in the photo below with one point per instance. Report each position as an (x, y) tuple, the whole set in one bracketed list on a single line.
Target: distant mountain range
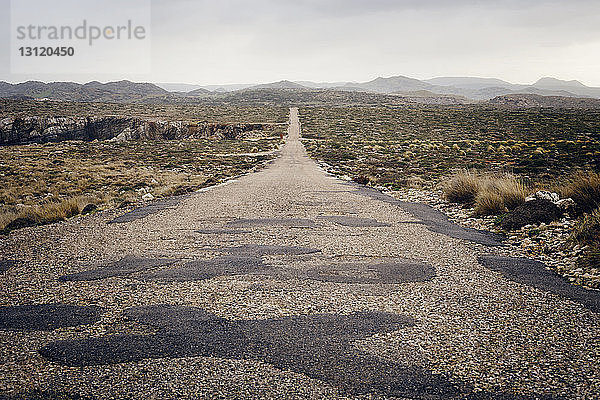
[(467, 88)]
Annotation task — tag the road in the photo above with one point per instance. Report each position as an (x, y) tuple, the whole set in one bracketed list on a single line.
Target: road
[(287, 283)]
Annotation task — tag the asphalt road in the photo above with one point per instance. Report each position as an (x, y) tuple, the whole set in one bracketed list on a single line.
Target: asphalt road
[(286, 283)]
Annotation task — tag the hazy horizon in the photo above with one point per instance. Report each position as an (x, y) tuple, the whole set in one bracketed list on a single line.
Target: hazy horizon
[(234, 42)]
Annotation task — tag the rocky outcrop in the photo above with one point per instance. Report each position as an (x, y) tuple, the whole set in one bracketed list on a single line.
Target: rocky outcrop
[(23, 130), (532, 212)]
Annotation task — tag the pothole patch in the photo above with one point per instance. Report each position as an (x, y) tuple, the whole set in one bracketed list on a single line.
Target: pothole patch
[(47, 317), (207, 269), (389, 272), (350, 221), (535, 274), (125, 266), (319, 346)]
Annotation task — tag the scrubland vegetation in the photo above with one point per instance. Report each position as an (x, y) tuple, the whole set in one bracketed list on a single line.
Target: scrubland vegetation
[(486, 158), (43, 183)]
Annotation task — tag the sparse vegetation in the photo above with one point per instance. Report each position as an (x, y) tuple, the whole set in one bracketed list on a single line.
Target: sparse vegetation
[(51, 182), (392, 144)]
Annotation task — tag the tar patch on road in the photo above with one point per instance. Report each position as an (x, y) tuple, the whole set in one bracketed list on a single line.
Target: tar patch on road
[(207, 269), (125, 266), (398, 271), (358, 222), (287, 222), (143, 212), (221, 231), (319, 346), (269, 250), (435, 220), (47, 317), (5, 265), (534, 273)]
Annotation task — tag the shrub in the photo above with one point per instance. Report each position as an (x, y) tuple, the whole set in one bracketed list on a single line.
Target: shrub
[(512, 191), (462, 187), (489, 202), (361, 179), (584, 189), (44, 213), (587, 229), (491, 194)]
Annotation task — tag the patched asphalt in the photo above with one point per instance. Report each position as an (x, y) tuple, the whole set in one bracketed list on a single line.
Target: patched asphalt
[(47, 317)]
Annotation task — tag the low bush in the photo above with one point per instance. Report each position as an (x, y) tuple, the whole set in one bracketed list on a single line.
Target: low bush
[(490, 194), (584, 189), (587, 229), (462, 187), (44, 213)]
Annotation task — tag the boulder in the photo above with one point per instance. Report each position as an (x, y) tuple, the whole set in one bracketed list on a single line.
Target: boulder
[(532, 212)]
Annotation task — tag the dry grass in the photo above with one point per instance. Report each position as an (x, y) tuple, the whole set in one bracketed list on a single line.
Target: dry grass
[(584, 189), (462, 187), (489, 202), (587, 229), (47, 213), (587, 233), (491, 194)]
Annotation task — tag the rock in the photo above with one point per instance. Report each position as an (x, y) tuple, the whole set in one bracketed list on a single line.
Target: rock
[(566, 204), (147, 197), (19, 223), (38, 129), (530, 213), (88, 209), (544, 195)]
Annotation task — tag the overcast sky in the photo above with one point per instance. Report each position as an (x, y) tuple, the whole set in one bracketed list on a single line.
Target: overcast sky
[(254, 41)]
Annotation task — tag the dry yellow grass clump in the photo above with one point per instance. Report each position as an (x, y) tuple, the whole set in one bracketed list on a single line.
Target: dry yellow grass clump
[(584, 189), (491, 194), (44, 213)]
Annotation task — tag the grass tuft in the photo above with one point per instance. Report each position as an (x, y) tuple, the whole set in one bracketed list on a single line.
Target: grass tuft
[(462, 187), (587, 229), (490, 194), (584, 189)]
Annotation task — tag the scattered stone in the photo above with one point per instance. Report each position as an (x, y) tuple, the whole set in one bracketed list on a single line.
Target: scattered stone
[(532, 212), (544, 195), (148, 197), (47, 317)]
